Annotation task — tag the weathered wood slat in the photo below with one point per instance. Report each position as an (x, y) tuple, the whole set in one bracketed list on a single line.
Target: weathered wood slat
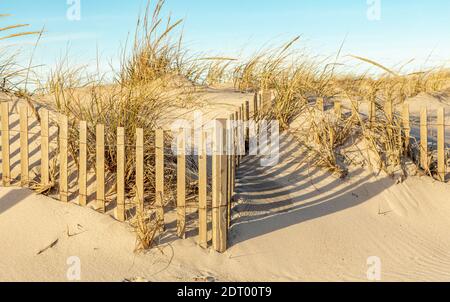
[(181, 184), (247, 129), (24, 148), (229, 148), (63, 159), (255, 106), (45, 148), (424, 138), (6, 167), (219, 205), (82, 170), (120, 210), (203, 192), (236, 137), (140, 171), (406, 126), (159, 157), (100, 168)]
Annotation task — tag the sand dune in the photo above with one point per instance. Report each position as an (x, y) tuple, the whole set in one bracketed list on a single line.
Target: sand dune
[(291, 222)]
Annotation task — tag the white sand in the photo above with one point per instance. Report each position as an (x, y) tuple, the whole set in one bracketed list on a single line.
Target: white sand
[(293, 223)]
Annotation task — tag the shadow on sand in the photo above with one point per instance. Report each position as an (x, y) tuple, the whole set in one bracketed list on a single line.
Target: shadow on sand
[(274, 198)]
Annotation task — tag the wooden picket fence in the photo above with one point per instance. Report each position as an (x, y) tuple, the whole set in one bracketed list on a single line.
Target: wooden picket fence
[(229, 148), (405, 117), (264, 100), (224, 168)]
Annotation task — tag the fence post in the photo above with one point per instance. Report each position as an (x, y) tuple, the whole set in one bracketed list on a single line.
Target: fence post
[(159, 171), (236, 131), (45, 135), (233, 154), (202, 191), (83, 165), (267, 99), (120, 174), (246, 125), (441, 144), (244, 132), (181, 184), (424, 138), (406, 127), (219, 188), (24, 149), (229, 150), (100, 167), (260, 101), (63, 153), (5, 145), (241, 134), (140, 171), (255, 106)]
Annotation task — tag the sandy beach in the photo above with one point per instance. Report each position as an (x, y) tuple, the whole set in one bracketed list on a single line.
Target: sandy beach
[(291, 222)]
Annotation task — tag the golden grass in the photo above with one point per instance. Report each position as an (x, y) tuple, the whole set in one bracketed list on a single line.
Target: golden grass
[(146, 228)]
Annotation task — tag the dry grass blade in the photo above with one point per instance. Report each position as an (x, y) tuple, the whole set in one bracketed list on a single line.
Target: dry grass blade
[(146, 230), (375, 64)]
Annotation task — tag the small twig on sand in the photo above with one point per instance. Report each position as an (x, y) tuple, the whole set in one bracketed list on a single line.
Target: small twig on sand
[(52, 245)]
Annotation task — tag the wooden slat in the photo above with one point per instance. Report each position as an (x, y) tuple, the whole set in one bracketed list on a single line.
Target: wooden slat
[(441, 144), (406, 126), (388, 108), (63, 159), (82, 172), (140, 170), (424, 138), (241, 134), (266, 100), (244, 132), (24, 148), (6, 167), (233, 157), (181, 184), (159, 158), (219, 222), (229, 148), (100, 168), (202, 191), (247, 129), (255, 106), (238, 138), (45, 136), (223, 211), (120, 210)]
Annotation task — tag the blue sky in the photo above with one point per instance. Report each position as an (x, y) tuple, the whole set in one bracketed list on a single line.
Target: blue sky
[(407, 29)]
